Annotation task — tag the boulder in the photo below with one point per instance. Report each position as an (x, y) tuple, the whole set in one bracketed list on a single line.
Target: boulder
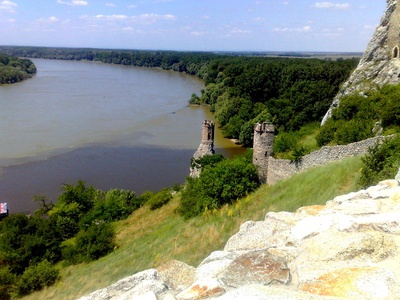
[(202, 289), (256, 267), (355, 283), (133, 286), (177, 275), (260, 235)]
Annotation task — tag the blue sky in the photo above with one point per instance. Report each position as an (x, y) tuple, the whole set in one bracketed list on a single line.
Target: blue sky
[(203, 25)]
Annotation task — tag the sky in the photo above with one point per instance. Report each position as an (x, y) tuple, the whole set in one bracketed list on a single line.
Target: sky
[(192, 25)]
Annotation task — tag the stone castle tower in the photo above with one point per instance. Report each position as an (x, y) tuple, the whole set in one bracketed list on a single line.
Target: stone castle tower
[(380, 63), (206, 146), (263, 148)]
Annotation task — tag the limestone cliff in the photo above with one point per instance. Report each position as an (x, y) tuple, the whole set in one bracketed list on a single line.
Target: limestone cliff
[(380, 63)]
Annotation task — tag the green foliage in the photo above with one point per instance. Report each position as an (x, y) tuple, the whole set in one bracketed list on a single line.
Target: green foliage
[(111, 206), (27, 240), (73, 204), (298, 153), (295, 92), (381, 162), (247, 130), (354, 119), (285, 142), (219, 184), (90, 244), (145, 196), (7, 283), (159, 199), (37, 277), (206, 160), (14, 69)]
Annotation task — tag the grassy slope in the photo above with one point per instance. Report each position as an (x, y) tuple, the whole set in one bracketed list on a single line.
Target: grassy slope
[(149, 238)]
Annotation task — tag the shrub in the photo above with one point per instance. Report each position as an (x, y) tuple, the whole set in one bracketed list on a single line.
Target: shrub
[(206, 160), (37, 277), (111, 206), (326, 133), (381, 162), (284, 142), (91, 244), (159, 199), (217, 185), (7, 282)]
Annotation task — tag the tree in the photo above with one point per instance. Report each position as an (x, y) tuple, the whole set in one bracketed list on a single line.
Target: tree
[(217, 185)]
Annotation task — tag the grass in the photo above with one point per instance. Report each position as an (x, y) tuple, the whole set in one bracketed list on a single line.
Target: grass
[(150, 238)]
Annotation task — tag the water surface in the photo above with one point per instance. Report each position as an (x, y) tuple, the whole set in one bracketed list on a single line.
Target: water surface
[(111, 126)]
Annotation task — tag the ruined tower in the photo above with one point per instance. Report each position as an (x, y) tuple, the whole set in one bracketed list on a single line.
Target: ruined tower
[(206, 146), (263, 143), (380, 63)]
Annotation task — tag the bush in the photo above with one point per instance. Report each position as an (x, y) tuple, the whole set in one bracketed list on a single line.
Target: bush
[(285, 141), (381, 162), (37, 277), (206, 160), (111, 206), (326, 133), (7, 283), (159, 199), (217, 185), (91, 244)]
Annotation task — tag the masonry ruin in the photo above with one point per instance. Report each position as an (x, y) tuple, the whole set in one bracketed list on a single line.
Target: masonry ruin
[(206, 146), (263, 143)]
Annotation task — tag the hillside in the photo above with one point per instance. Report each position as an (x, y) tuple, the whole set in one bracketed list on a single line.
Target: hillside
[(151, 238)]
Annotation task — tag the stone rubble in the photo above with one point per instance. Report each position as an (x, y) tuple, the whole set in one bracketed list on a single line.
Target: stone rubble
[(346, 249)]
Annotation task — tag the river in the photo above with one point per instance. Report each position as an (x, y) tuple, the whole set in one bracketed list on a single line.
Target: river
[(109, 125)]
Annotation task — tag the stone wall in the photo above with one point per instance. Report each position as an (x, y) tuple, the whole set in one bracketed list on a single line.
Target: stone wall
[(283, 168)]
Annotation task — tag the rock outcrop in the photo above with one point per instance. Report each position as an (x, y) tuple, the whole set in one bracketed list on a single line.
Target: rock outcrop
[(380, 63), (346, 249)]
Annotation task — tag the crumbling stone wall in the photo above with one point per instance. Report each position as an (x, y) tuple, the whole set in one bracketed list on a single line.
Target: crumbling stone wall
[(279, 169), (206, 146)]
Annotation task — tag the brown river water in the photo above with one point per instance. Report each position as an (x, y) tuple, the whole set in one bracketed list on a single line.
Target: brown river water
[(111, 126)]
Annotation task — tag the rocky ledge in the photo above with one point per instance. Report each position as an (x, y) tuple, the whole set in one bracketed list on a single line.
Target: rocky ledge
[(346, 249)]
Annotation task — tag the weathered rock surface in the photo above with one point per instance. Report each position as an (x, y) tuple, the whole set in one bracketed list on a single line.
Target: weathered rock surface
[(346, 249), (380, 63)]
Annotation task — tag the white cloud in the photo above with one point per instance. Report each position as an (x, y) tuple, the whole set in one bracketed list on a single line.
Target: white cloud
[(111, 17), (49, 20), (239, 31), (111, 5), (8, 6), (152, 18), (197, 33), (142, 19), (132, 6), (329, 5), (299, 29), (73, 2)]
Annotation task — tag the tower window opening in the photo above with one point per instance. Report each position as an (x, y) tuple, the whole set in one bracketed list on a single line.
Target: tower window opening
[(395, 53)]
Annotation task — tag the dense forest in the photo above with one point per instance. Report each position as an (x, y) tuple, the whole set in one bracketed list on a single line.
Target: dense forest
[(240, 90), (14, 69)]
